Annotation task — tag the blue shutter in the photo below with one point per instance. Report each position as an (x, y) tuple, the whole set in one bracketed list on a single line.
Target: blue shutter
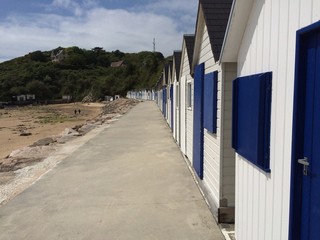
[(171, 97), (198, 120), (210, 101), (164, 101), (251, 118)]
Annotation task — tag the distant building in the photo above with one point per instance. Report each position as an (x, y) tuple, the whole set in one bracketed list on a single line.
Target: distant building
[(66, 97), (24, 97), (117, 64), (57, 58)]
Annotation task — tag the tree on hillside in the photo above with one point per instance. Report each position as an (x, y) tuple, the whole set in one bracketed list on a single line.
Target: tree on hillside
[(38, 88)]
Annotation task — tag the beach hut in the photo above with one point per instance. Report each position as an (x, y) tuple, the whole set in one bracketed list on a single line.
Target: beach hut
[(168, 76), (186, 96), (176, 96), (276, 45), (213, 156), (158, 92)]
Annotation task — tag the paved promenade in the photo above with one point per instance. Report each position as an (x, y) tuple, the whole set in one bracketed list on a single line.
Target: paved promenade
[(129, 182)]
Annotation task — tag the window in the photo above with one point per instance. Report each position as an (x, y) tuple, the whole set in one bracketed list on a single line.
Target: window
[(189, 95), (251, 118), (210, 101)]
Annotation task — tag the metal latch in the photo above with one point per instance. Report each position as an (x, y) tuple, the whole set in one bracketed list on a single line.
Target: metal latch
[(305, 163)]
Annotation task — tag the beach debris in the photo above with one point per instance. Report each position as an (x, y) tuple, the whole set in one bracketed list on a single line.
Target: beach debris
[(26, 156), (25, 133), (43, 142), (88, 99)]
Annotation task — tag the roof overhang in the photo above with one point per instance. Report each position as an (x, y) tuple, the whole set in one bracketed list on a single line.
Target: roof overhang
[(240, 12)]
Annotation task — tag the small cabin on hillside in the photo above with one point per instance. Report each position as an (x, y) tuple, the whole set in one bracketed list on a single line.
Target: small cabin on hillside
[(57, 57), (117, 64)]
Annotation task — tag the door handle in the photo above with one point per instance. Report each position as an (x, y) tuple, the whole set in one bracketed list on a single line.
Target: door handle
[(306, 164)]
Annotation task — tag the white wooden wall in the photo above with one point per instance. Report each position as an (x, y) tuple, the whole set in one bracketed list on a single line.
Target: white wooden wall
[(189, 122), (174, 116), (262, 200), (177, 112), (183, 114), (186, 78), (229, 73), (212, 145), (160, 99), (168, 105)]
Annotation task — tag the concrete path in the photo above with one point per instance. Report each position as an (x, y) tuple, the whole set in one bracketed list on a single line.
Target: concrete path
[(128, 182)]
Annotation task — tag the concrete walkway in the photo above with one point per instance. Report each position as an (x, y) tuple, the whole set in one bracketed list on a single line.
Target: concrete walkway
[(128, 182)]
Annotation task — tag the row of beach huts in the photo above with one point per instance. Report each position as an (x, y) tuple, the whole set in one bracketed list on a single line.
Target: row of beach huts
[(242, 98)]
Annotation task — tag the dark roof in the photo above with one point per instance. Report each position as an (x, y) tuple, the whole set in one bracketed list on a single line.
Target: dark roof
[(189, 39), (177, 62), (166, 73), (216, 14), (170, 67)]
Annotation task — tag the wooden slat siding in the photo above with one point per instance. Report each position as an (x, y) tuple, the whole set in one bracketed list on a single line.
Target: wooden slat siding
[(183, 114), (189, 123), (168, 94), (212, 146), (269, 45), (177, 113), (187, 132), (189, 44), (175, 76), (228, 154)]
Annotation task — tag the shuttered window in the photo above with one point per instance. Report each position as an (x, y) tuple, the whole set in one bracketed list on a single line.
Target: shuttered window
[(210, 101), (251, 118), (189, 95)]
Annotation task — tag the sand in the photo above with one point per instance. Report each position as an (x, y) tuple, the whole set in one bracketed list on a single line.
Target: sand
[(38, 122), (27, 164)]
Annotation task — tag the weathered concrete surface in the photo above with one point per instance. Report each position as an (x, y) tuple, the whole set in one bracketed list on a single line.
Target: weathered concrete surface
[(128, 182)]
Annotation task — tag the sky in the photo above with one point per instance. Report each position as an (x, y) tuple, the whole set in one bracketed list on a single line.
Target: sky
[(126, 25)]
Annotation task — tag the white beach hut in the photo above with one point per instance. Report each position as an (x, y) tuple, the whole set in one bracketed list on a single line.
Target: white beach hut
[(213, 156), (276, 45), (186, 96), (176, 96), (168, 75)]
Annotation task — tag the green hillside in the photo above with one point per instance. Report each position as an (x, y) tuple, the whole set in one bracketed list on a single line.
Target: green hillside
[(77, 73)]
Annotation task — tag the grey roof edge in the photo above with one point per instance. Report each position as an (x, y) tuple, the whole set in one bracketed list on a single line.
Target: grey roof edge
[(189, 40), (177, 54), (216, 44)]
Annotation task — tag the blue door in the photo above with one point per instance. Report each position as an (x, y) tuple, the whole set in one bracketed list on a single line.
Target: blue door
[(164, 102), (305, 181), (198, 120), (171, 97)]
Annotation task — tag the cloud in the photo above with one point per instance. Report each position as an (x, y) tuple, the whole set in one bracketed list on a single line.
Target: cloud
[(128, 31)]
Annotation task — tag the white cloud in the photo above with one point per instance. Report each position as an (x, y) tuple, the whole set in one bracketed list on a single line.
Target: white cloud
[(177, 6), (70, 5), (127, 31)]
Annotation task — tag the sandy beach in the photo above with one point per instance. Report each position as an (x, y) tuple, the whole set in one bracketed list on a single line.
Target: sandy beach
[(20, 127), (37, 138)]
